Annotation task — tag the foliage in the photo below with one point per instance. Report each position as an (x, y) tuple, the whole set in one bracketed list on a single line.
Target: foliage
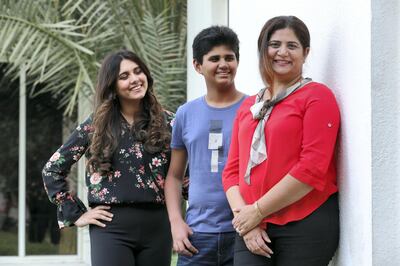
[(9, 245), (61, 43)]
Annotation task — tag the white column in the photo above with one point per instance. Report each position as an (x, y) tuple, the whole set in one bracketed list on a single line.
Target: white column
[(386, 131), (84, 110), (201, 14), (22, 163)]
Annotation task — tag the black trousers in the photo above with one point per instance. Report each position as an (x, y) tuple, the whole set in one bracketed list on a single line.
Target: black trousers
[(137, 236), (308, 242)]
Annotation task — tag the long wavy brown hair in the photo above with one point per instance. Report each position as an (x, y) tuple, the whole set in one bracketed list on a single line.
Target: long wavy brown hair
[(150, 126)]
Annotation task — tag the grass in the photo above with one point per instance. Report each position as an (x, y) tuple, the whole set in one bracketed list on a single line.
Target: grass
[(8, 244), (9, 247), (174, 259)]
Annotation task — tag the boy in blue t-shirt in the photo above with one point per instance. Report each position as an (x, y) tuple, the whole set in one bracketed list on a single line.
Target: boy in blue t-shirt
[(201, 136)]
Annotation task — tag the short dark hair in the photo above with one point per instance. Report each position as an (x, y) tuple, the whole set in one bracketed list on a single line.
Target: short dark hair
[(278, 23), (214, 36)]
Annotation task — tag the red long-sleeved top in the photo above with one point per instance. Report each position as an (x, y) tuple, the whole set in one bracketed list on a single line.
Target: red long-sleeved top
[(301, 135)]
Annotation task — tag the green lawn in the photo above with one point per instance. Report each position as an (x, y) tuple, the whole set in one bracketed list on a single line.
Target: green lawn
[(9, 247), (8, 244), (174, 259)]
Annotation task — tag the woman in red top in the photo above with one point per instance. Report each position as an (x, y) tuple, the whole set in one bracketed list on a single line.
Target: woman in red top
[(280, 178)]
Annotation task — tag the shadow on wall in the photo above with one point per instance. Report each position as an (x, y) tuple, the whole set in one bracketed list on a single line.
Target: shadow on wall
[(385, 131), (330, 79)]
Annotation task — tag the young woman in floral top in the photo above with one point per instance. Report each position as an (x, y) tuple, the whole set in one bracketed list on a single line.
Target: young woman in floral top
[(126, 142)]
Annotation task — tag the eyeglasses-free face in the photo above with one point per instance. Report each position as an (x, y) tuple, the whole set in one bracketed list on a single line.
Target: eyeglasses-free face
[(219, 67), (286, 54)]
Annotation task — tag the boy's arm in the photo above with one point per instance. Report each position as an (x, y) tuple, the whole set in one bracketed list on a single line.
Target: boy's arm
[(173, 191)]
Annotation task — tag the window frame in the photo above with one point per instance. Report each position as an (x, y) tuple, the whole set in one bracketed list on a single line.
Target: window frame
[(82, 258)]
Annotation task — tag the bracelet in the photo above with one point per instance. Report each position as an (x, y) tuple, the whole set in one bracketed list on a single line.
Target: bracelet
[(258, 209)]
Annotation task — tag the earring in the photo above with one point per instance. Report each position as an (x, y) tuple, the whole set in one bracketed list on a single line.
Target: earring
[(113, 96)]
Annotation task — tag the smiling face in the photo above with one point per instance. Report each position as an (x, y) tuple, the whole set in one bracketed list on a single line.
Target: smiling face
[(286, 54), (131, 83), (219, 67)]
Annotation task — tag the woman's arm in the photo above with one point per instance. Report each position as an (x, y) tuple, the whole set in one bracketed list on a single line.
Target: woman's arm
[(230, 174), (235, 199), (56, 171), (320, 128), (256, 239), (284, 193)]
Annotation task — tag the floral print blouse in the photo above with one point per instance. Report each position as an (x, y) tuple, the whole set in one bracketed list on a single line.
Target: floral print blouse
[(136, 177)]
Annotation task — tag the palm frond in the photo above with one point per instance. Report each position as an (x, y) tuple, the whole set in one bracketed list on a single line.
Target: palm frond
[(45, 49), (150, 29), (62, 42)]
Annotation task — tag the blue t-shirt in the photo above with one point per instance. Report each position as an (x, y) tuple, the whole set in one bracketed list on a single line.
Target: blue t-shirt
[(208, 210)]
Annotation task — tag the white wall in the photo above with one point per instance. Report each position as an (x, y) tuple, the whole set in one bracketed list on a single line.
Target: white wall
[(341, 58), (386, 131), (201, 14)]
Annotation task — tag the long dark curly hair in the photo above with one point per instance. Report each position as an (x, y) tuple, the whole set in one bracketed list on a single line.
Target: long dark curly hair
[(150, 126)]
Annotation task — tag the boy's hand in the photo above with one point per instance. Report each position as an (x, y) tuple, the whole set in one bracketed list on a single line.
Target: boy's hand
[(180, 235)]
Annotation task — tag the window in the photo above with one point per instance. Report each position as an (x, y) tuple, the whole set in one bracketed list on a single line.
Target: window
[(31, 129), (9, 130)]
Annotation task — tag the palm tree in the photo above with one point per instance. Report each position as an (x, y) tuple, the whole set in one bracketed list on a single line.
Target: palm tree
[(157, 31), (61, 42)]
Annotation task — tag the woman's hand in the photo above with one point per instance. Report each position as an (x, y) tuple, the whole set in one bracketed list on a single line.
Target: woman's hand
[(246, 218), (256, 240), (94, 216)]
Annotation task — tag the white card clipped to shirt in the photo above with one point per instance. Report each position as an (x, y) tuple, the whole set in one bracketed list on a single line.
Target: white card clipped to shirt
[(214, 144), (214, 141), (214, 161)]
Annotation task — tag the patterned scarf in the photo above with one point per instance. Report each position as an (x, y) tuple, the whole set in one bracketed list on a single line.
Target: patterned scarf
[(258, 150)]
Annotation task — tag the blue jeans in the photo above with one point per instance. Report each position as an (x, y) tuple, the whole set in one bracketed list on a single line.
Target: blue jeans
[(215, 249)]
